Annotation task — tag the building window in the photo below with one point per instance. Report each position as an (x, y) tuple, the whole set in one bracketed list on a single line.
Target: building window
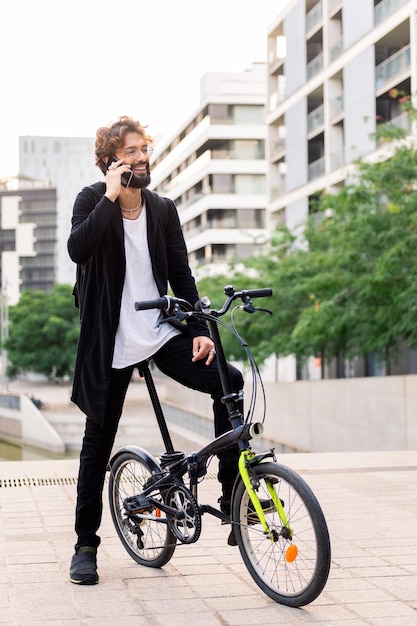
[(223, 251), (221, 218), (219, 113), (222, 183), (248, 114)]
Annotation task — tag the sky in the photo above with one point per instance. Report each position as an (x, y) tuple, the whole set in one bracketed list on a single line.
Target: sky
[(70, 67)]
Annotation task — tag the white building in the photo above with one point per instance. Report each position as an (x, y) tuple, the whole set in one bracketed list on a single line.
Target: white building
[(213, 166), (334, 67), (331, 67), (68, 164), (28, 237)]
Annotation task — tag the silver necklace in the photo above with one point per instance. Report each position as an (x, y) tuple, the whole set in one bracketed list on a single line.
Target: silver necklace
[(133, 210)]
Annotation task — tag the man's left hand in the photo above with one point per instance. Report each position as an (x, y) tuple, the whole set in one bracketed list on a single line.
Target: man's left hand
[(203, 347)]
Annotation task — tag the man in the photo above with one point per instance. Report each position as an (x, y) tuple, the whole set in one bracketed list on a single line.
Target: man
[(128, 245)]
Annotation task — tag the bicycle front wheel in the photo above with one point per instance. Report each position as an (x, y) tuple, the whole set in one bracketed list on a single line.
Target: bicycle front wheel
[(147, 537), (292, 565)]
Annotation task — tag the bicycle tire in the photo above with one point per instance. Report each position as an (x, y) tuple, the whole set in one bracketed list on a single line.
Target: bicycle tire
[(150, 543), (296, 577)]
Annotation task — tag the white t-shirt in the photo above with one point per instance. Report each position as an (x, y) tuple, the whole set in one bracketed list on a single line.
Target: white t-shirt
[(139, 334)]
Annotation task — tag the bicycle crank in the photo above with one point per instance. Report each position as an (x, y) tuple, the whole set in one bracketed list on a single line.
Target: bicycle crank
[(187, 526)]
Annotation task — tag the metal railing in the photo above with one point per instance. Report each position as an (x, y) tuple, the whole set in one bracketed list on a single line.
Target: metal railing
[(337, 159), (332, 4), (336, 50), (394, 65), (315, 66), (315, 118), (336, 106), (314, 16), (316, 168), (386, 8)]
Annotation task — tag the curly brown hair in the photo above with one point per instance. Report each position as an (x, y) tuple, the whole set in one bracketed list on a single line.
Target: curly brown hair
[(110, 138)]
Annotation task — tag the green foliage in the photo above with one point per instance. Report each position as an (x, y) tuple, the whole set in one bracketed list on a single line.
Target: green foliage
[(43, 333)]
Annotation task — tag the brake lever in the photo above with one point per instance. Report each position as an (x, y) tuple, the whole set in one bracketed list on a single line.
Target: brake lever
[(178, 316), (249, 308)]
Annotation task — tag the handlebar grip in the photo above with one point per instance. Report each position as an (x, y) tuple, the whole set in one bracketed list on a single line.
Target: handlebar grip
[(158, 303), (258, 293)]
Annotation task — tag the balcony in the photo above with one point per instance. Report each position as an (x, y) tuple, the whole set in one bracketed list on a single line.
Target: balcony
[(277, 146), (333, 4), (316, 169), (336, 107), (395, 65), (314, 17), (315, 118), (386, 8), (315, 66), (335, 51), (337, 159), (278, 96), (402, 121), (277, 191)]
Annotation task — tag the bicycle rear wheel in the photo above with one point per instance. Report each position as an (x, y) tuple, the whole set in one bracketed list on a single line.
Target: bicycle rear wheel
[(293, 567), (148, 540)]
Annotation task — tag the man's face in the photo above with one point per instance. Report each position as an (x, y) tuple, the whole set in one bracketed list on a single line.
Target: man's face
[(136, 153)]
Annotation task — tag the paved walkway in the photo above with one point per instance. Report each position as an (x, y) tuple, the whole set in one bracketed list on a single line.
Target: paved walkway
[(370, 502)]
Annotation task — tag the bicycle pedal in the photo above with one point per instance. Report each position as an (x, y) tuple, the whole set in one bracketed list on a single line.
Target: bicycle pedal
[(136, 504)]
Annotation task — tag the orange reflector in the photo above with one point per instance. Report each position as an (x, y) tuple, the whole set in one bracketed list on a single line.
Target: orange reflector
[(157, 512), (291, 553)]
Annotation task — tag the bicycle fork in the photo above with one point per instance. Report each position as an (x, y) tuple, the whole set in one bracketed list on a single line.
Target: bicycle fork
[(245, 459)]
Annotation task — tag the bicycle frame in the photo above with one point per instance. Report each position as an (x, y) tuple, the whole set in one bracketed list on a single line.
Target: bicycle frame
[(239, 435)]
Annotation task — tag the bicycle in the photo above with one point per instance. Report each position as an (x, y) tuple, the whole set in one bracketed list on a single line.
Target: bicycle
[(276, 520)]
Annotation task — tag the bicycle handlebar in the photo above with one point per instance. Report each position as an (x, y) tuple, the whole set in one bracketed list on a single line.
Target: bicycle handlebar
[(158, 303), (172, 304), (255, 293)]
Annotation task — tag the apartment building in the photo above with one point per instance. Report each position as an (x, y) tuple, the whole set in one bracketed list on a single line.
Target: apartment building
[(214, 167), (331, 67), (28, 237), (67, 163)]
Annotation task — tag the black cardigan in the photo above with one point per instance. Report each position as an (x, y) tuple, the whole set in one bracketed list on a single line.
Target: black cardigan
[(96, 244)]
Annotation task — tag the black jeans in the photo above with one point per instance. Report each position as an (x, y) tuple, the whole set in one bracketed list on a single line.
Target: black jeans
[(174, 360)]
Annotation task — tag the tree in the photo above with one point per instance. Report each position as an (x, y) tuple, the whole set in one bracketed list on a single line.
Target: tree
[(364, 252), (43, 333)]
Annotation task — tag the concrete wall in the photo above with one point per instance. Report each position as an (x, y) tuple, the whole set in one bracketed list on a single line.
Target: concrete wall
[(296, 144), (22, 422), (295, 61), (352, 414), (359, 104)]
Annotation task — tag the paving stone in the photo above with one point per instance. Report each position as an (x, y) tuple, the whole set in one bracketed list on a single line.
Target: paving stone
[(372, 580)]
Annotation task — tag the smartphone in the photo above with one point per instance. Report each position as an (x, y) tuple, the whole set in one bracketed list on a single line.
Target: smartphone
[(126, 177)]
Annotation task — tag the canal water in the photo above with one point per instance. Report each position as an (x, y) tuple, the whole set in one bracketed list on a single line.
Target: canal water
[(12, 452)]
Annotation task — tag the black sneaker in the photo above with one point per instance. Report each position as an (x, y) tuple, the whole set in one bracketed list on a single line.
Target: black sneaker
[(83, 569), (267, 506), (224, 505)]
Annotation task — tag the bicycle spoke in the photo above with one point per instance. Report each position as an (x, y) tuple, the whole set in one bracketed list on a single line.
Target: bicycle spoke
[(148, 540), (291, 567)]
